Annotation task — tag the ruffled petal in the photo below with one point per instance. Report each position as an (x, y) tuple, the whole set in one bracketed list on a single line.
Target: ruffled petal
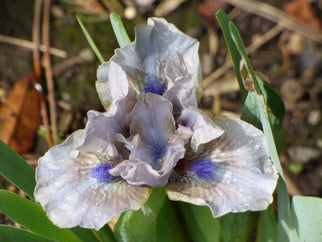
[(152, 119), (155, 149), (143, 168), (234, 175), (187, 114), (168, 41), (101, 128), (112, 83), (204, 130), (159, 56), (71, 190)]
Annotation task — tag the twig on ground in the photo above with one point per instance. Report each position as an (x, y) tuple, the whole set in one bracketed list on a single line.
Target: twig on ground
[(276, 15), (31, 45), (37, 67), (48, 69), (253, 47)]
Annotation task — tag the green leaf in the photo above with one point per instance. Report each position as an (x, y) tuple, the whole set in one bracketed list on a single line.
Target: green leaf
[(224, 21), (84, 234), (200, 224), (119, 30), (168, 226), (306, 218), (90, 41), (253, 112), (275, 108), (105, 234), (12, 234), (31, 216), (238, 227), (17, 170), (266, 227), (153, 222), (263, 105)]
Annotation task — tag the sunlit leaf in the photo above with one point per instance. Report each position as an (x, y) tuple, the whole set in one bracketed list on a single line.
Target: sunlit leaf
[(12, 234), (224, 21), (306, 218), (265, 106), (17, 170), (153, 222), (119, 30), (31, 216)]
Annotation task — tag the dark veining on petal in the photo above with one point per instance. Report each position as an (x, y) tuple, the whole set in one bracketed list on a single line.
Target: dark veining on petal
[(201, 168), (101, 173), (158, 154), (154, 86)]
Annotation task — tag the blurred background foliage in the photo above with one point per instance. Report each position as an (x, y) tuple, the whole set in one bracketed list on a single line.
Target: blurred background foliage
[(284, 41)]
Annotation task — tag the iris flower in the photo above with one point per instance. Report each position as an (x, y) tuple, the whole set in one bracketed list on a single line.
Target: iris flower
[(153, 135)]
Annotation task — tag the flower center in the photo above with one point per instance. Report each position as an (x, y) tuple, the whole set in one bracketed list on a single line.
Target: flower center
[(154, 86), (202, 168), (101, 173)]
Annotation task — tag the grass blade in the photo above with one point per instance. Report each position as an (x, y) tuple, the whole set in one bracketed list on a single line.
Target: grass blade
[(119, 30), (90, 41)]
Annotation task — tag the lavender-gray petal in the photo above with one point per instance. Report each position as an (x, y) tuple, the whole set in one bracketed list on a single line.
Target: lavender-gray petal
[(241, 178)]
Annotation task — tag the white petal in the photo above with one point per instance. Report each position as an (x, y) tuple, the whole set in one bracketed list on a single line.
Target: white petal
[(101, 128), (111, 83), (158, 47), (204, 130), (71, 197), (157, 145), (152, 119), (244, 177)]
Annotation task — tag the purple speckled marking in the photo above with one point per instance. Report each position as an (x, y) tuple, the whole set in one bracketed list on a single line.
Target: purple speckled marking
[(154, 86), (101, 173), (202, 168)]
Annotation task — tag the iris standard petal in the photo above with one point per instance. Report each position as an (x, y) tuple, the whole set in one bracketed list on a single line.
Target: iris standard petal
[(74, 188), (115, 84), (155, 149), (235, 174), (145, 167), (152, 119), (101, 128), (186, 113), (154, 61)]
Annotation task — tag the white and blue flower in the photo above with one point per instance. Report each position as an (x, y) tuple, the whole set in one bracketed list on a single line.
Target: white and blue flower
[(153, 135)]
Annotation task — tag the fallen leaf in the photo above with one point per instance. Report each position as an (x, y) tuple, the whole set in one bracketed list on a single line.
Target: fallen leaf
[(302, 10), (209, 8), (20, 115), (94, 6)]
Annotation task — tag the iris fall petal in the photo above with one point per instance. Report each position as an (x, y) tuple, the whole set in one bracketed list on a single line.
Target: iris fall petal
[(233, 174), (72, 196)]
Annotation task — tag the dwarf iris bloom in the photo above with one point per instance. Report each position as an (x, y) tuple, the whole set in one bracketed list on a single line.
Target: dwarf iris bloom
[(153, 135)]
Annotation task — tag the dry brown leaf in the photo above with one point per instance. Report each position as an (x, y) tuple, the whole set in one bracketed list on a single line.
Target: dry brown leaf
[(303, 11), (94, 6), (20, 115), (209, 8)]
